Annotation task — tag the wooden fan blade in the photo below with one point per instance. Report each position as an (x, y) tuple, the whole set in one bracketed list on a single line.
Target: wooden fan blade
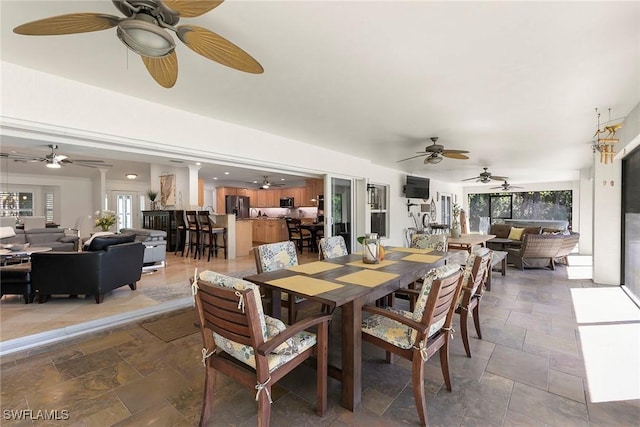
[(190, 8), (471, 179), (214, 47), (414, 157), (164, 70), (499, 178), (459, 156), (455, 151), (72, 23)]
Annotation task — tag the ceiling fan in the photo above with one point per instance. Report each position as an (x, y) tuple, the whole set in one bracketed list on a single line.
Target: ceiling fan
[(54, 160), (144, 31), (506, 186), (486, 177), (266, 184), (435, 152)]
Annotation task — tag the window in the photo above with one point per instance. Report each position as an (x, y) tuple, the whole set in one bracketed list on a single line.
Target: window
[(544, 205), (124, 211), (16, 203), (378, 203), (48, 206), (445, 209)]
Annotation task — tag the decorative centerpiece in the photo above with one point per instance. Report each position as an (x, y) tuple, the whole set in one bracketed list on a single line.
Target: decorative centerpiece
[(152, 195), (371, 253), (106, 220), (455, 225)]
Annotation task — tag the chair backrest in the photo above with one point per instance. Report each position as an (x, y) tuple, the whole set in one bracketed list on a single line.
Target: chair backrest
[(179, 218), (293, 227), (440, 288), (34, 222), (192, 219), (8, 221), (202, 218), (475, 272), (275, 256), (437, 242), (232, 309), (332, 247)]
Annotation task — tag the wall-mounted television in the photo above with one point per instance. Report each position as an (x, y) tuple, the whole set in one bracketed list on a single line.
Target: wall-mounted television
[(416, 187)]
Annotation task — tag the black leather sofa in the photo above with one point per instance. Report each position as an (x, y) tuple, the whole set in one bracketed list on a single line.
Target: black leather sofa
[(109, 262)]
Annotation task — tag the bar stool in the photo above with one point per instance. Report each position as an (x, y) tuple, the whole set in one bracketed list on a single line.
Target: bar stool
[(181, 231), (214, 231), (193, 233)]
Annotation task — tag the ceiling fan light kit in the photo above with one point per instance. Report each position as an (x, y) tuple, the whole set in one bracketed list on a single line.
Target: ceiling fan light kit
[(145, 38)]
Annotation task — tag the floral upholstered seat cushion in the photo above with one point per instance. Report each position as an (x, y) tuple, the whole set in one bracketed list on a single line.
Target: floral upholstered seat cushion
[(277, 256), (401, 335), (270, 327), (333, 247), (436, 242)]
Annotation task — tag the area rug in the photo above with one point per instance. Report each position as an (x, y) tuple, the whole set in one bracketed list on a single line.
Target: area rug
[(169, 292), (173, 327)]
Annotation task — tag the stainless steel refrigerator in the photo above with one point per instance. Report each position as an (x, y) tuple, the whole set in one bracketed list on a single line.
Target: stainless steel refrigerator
[(238, 205)]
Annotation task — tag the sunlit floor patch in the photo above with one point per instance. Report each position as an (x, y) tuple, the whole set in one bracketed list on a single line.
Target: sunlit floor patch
[(605, 304)]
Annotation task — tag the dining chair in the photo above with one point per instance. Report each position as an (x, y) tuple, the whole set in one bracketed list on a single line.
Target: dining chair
[(193, 233), (418, 335), (250, 347), (474, 277), (278, 256), (437, 242), (301, 237), (181, 231), (332, 247)]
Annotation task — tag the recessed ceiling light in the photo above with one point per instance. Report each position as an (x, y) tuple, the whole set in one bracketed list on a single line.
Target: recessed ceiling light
[(226, 173), (215, 177), (198, 163), (131, 175)]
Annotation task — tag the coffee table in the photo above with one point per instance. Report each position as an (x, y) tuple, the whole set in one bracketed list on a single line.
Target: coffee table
[(15, 257)]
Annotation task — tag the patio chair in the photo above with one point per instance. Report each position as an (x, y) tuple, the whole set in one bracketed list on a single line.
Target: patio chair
[(332, 247), (278, 256), (473, 280), (418, 335), (250, 347)]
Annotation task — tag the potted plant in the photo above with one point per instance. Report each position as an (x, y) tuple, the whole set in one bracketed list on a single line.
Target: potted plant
[(105, 220), (152, 194), (455, 225)]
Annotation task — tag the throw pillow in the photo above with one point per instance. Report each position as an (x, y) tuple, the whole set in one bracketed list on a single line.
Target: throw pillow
[(515, 233)]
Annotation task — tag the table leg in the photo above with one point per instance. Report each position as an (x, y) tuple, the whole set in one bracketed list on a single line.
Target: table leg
[(352, 354)]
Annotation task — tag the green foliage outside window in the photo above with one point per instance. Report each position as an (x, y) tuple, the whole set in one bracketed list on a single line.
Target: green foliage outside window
[(536, 205)]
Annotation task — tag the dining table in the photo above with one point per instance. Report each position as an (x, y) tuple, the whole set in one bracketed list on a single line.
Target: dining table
[(466, 241), (348, 283)]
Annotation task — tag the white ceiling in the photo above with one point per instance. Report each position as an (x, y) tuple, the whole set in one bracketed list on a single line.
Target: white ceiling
[(515, 83)]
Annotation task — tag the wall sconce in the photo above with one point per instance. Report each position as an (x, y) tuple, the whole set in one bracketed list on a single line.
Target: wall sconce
[(131, 176), (605, 145), (372, 191)]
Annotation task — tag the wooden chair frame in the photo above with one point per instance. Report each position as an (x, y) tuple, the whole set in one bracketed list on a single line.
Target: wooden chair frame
[(440, 304), (218, 311), (472, 292)]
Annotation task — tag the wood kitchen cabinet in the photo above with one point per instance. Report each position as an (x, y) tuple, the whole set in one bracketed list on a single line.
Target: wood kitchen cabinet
[(269, 231)]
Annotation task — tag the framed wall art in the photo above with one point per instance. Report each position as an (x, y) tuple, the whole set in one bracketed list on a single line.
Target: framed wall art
[(168, 190)]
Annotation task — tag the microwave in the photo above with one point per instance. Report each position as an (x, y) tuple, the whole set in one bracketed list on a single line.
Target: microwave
[(286, 202)]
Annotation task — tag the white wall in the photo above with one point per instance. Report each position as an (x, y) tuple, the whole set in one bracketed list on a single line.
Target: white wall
[(607, 206)]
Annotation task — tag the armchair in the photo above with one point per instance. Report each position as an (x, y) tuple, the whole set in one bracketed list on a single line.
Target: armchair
[(110, 262), (252, 348), (418, 335)]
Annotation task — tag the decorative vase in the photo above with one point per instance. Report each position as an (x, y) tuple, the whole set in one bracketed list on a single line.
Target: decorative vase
[(371, 253), (154, 205), (455, 231), (105, 227)]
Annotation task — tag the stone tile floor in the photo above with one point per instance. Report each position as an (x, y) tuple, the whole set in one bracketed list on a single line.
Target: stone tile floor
[(527, 371)]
